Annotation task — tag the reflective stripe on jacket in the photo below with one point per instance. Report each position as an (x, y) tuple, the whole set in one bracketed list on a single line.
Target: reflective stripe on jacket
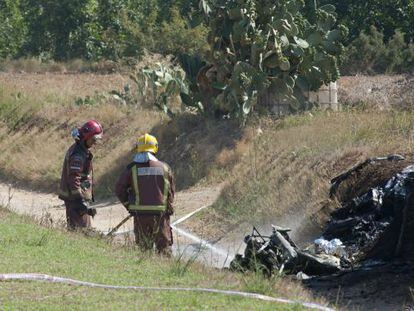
[(147, 187), (154, 185)]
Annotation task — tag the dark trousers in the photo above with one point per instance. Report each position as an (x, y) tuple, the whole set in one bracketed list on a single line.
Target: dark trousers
[(153, 228), (76, 215)]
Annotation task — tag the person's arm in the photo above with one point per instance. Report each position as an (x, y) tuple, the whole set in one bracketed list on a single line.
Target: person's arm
[(75, 167), (123, 187), (171, 193)]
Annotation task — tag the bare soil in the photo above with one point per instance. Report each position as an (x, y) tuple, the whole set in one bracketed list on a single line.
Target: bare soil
[(39, 204), (381, 92), (386, 287), (62, 85)]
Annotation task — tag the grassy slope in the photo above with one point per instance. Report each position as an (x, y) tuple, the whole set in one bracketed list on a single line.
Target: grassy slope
[(35, 126), (36, 118), (271, 168), (29, 248), (286, 170)]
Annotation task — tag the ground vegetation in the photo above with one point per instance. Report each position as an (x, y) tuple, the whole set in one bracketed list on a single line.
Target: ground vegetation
[(53, 251)]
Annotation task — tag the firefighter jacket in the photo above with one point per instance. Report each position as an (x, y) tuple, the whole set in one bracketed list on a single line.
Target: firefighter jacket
[(76, 182), (147, 187)]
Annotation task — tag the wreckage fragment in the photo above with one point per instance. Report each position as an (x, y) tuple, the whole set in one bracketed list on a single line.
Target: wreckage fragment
[(376, 224), (372, 224), (277, 253)]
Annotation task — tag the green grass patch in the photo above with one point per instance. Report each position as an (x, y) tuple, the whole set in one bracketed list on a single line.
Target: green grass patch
[(28, 248)]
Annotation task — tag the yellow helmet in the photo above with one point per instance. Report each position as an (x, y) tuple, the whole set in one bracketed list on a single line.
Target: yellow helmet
[(147, 143)]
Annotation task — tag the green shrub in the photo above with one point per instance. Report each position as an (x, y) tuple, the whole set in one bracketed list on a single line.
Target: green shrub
[(366, 54), (371, 54), (177, 37)]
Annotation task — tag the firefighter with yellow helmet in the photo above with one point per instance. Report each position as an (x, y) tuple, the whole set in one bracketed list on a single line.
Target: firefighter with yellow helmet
[(146, 189)]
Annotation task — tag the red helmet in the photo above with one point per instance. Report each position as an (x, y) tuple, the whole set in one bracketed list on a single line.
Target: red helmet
[(90, 129)]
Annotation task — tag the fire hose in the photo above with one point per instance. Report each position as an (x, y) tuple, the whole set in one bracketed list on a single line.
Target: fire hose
[(55, 279), (110, 233)]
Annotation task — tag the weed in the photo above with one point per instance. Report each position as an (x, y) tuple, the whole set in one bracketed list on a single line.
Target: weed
[(46, 220), (181, 265), (95, 99), (39, 241), (256, 282)]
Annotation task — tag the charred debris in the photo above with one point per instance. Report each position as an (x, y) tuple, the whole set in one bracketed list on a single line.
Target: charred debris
[(374, 224)]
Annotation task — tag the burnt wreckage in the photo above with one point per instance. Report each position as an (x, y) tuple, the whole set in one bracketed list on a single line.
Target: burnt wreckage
[(377, 224)]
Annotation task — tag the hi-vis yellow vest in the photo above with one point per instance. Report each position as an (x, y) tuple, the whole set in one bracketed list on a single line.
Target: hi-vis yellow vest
[(149, 171)]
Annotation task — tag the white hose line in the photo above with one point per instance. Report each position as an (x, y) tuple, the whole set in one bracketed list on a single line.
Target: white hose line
[(55, 279), (189, 215), (194, 238), (203, 243), (172, 225)]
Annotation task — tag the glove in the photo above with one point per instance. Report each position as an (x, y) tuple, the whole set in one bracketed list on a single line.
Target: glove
[(85, 209), (82, 206), (91, 211)]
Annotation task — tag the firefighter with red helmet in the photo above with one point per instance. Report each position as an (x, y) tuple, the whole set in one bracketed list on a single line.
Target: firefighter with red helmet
[(76, 184), (146, 188)]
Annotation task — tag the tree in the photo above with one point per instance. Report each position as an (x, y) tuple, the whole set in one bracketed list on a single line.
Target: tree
[(64, 29), (386, 16), (177, 37), (371, 54), (111, 34), (367, 53), (12, 28)]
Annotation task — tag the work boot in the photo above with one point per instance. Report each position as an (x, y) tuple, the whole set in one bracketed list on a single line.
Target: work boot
[(165, 252)]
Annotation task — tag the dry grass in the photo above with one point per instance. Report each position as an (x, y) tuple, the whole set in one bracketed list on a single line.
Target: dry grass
[(36, 65), (380, 92), (284, 174), (199, 149), (34, 140), (58, 88), (275, 169), (34, 148), (35, 126)]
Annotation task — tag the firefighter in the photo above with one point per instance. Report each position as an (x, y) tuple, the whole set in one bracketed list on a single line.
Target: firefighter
[(146, 189), (76, 184)]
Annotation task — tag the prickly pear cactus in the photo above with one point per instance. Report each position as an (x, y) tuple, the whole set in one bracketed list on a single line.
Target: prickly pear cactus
[(257, 45)]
